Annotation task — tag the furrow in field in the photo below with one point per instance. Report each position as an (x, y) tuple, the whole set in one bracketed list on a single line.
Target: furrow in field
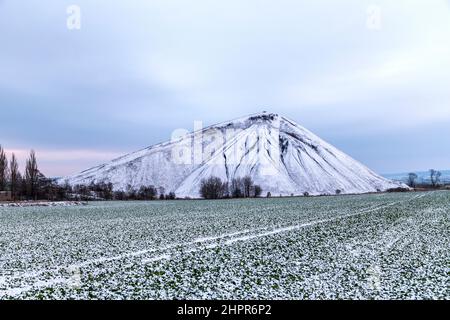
[(192, 246), (21, 282), (282, 230)]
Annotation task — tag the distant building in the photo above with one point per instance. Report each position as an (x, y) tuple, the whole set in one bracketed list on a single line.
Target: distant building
[(5, 196)]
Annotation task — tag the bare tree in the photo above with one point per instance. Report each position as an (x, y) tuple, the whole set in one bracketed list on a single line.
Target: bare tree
[(257, 191), (162, 192), (14, 178), (213, 188), (244, 187), (248, 183), (170, 196), (435, 177), (412, 177), (147, 193), (32, 176), (237, 188), (3, 169)]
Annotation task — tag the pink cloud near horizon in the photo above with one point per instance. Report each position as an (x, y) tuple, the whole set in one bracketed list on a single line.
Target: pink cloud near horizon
[(58, 163)]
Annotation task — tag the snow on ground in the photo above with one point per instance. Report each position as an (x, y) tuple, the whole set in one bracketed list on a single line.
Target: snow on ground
[(381, 246), (23, 204)]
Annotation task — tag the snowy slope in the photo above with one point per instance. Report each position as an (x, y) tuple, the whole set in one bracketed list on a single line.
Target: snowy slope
[(281, 156)]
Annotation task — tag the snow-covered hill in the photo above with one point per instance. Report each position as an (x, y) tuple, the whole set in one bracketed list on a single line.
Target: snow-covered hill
[(280, 155)]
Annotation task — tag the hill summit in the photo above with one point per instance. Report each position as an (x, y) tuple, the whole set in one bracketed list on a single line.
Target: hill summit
[(281, 156)]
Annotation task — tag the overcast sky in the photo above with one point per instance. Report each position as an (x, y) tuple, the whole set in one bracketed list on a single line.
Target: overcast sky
[(375, 86)]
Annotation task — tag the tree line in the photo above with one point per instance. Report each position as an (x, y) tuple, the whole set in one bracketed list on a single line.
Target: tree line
[(105, 191), (215, 188), (33, 185), (435, 179)]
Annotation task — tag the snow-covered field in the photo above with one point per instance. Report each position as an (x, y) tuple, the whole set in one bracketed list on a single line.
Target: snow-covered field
[(42, 204), (387, 246)]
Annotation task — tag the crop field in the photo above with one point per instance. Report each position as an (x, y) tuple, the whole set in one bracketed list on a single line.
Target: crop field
[(380, 246)]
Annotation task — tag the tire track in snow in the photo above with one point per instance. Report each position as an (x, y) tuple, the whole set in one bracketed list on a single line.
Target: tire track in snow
[(289, 228), (35, 274), (201, 240), (243, 235)]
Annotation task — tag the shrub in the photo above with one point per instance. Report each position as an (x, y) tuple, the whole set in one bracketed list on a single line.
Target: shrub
[(213, 188), (244, 188), (257, 191), (170, 196), (399, 189)]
